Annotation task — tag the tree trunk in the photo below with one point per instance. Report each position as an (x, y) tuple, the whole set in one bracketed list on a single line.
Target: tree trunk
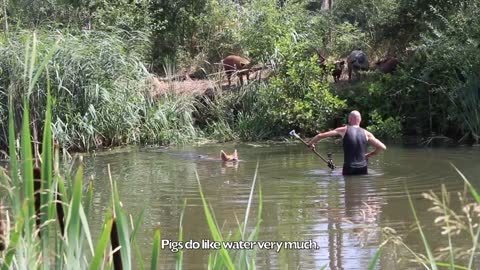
[(326, 4)]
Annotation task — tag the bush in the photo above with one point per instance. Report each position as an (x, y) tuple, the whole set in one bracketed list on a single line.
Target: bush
[(244, 115), (298, 94), (390, 128), (169, 121)]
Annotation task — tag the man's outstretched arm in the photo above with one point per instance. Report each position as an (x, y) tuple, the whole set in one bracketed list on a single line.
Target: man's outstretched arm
[(318, 137)]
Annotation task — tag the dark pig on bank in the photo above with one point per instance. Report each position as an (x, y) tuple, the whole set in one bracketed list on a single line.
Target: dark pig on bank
[(337, 71), (236, 64), (356, 61)]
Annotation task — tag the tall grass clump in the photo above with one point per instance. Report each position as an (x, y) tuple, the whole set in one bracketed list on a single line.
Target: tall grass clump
[(254, 119), (99, 87), (170, 119), (457, 221), (240, 115)]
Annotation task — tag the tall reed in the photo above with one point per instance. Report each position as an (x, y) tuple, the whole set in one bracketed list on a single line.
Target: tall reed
[(58, 241)]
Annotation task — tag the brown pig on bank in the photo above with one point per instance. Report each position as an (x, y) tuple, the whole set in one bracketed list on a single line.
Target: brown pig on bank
[(236, 64)]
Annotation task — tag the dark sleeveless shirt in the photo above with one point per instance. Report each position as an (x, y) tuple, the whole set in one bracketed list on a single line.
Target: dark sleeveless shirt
[(354, 147)]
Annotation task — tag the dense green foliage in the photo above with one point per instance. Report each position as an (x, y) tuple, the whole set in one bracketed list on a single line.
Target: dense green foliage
[(434, 92), (299, 95), (108, 50)]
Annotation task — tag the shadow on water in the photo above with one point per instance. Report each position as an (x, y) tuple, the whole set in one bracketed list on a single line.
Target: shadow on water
[(302, 198)]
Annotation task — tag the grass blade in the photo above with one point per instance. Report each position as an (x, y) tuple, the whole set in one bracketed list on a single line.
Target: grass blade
[(214, 229), (246, 256), (449, 235), (431, 259), (138, 252), (14, 240), (46, 198), (138, 221), (42, 66), (249, 202), (33, 57), (13, 156), (474, 248), (373, 262), (474, 193), (122, 227), (85, 227), (27, 170), (179, 260), (155, 250), (452, 266), (101, 246), (73, 229), (133, 240)]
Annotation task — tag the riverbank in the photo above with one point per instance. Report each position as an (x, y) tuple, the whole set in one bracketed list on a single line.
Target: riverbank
[(105, 96)]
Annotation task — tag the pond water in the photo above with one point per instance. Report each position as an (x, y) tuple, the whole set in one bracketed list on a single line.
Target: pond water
[(302, 199)]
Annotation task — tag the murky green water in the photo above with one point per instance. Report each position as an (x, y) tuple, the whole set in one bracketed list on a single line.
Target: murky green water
[(302, 200)]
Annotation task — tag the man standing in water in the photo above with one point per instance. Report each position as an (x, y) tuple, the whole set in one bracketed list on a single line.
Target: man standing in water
[(355, 140)]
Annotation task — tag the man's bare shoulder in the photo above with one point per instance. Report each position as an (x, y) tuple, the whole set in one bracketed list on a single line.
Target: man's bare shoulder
[(341, 129)]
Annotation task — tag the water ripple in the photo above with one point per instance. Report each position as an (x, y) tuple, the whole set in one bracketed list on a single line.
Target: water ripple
[(302, 198)]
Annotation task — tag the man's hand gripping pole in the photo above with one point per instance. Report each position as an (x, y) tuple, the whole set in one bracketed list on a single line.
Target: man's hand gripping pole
[(329, 161)]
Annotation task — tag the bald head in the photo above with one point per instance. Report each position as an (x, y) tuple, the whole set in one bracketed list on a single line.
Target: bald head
[(354, 118)]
